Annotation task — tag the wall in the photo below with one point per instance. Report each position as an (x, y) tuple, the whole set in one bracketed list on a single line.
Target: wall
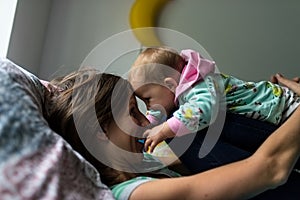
[(28, 33), (76, 27), (250, 39)]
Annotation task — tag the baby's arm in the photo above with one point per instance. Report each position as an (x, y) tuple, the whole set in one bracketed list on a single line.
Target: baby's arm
[(174, 127), (197, 109), (156, 135), (199, 104)]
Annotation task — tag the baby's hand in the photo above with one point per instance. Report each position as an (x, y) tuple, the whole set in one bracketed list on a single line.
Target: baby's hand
[(156, 135)]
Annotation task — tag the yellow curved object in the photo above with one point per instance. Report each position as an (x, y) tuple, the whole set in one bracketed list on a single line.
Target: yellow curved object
[(143, 17)]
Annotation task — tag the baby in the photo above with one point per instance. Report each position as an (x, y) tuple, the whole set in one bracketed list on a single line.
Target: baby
[(182, 91)]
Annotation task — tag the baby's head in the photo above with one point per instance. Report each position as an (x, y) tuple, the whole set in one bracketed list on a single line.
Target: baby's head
[(155, 64), (161, 55), (155, 75)]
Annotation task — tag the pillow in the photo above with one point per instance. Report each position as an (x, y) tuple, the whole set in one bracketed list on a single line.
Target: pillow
[(35, 162)]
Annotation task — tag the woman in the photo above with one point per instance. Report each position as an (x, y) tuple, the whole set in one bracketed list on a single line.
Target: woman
[(26, 148), (269, 167)]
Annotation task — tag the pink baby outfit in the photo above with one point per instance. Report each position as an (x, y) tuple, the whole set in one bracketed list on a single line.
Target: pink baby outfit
[(196, 69)]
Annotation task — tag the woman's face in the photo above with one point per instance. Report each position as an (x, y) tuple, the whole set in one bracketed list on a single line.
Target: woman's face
[(128, 128)]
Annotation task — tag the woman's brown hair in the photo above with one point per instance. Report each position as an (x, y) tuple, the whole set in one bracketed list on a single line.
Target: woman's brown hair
[(86, 92)]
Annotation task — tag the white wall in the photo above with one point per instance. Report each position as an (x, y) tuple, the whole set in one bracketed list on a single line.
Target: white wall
[(250, 39), (28, 33), (7, 14), (76, 27)]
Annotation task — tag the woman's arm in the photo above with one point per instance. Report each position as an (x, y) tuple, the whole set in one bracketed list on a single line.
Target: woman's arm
[(269, 167), (292, 84)]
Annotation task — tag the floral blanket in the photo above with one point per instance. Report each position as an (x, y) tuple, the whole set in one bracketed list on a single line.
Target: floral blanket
[(35, 162)]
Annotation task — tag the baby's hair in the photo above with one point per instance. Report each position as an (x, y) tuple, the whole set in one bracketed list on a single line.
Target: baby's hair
[(161, 55), (157, 63)]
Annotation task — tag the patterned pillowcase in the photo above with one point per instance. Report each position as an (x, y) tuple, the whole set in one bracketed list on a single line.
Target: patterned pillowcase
[(35, 162)]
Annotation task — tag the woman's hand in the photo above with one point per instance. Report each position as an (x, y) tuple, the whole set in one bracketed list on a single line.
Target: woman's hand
[(292, 84)]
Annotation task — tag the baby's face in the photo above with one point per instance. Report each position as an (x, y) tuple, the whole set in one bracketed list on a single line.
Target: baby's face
[(156, 97)]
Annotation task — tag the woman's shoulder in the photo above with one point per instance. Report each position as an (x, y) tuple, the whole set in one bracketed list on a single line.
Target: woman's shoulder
[(124, 189)]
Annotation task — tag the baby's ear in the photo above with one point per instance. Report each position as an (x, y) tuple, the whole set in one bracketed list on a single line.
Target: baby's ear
[(171, 83)]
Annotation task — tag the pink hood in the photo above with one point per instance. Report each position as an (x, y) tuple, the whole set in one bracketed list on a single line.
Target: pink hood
[(196, 69)]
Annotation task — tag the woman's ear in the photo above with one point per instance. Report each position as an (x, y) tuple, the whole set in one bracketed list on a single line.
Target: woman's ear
[(171, 83)]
